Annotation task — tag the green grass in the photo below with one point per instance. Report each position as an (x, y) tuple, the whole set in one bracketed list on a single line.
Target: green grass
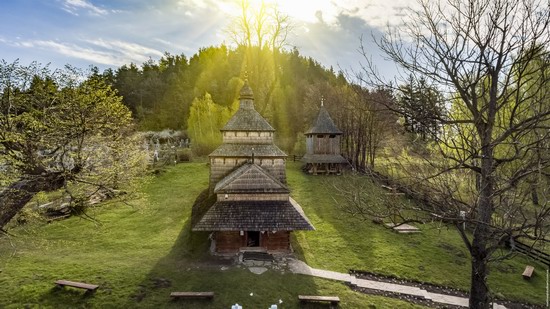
[(132, 249), (436, 255)]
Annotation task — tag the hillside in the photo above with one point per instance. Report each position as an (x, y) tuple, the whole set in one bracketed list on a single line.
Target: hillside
[(138, 253)]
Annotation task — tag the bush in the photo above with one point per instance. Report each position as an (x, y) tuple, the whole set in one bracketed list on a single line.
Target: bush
[(184, 155)]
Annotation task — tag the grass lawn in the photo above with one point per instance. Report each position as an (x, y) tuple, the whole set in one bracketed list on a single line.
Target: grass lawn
[(139, 253), (436, 255)]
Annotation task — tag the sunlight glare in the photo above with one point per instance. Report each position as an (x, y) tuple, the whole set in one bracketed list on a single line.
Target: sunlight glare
[(302, 10)]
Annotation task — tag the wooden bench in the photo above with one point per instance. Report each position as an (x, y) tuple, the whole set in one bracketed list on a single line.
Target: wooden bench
[(334, 300), (79, 285), (176, 295), (528, 272)]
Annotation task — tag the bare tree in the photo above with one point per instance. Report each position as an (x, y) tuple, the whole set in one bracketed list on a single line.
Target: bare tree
[(493, 150), (263, 26), (240, 30), (280, 29), (366, 121), (261, 30)]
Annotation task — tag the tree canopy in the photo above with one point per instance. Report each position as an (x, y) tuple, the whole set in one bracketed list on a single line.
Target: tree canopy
[(489, 162), (61, 129)]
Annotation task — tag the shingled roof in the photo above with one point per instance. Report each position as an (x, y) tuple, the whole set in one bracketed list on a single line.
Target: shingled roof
[(254, 216), (250, 178), (324, 124), (323, 158), (246, 150), (247, 118)]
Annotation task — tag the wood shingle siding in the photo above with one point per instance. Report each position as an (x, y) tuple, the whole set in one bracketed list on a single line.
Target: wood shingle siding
[(247, 119), (324, 124), (246, 150), (250, 178), (221, 167), (323, 146), (254, 216), (248, 202)]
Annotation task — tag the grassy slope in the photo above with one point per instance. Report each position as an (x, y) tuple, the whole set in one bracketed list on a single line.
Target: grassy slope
[(135, 246), (436, 255)]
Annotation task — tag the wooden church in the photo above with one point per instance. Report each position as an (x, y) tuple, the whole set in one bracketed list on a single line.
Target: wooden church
[(323, 146), (252, 208)]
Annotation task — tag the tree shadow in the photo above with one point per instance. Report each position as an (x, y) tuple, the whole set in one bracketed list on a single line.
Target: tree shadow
[(69, 297), (189, 266)]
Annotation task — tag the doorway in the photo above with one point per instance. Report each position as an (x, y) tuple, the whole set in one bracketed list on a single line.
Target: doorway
[(252, 238)]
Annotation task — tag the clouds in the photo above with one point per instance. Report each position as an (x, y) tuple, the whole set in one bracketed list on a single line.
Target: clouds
[(110, 33), (97, 51), (378, 13), (76, 6)]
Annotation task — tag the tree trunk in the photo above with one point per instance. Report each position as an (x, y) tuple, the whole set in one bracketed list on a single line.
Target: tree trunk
[(479, 292), (18, 194)]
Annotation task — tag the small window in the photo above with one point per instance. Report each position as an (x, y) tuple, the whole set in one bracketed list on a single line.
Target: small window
[(332, 136), (320, 136)]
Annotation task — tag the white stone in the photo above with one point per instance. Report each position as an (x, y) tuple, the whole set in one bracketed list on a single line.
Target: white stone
[(257, 270)]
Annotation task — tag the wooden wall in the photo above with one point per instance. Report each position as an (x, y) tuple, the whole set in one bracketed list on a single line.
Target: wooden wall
[(278, 241), (229, 241), (247, 137), (232, 241), (323, 144)]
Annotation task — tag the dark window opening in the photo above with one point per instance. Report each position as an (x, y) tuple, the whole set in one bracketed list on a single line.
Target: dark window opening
[(253, 239), (332, 136), (320, 136)]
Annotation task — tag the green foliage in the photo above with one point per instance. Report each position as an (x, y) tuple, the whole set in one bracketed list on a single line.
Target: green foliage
[(184, 155), (422, 108), (205, 121), (68, 125), (131, 247), (161, 95)]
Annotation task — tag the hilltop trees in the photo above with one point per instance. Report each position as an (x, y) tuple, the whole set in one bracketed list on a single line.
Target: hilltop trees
[(421, 107), (60, 130), (490, 158)]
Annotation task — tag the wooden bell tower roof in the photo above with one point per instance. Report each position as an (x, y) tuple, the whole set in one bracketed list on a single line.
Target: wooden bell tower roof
[(324, 124), (247, 118)]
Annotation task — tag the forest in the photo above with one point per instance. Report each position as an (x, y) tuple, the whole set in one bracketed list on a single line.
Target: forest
[(197, 95)]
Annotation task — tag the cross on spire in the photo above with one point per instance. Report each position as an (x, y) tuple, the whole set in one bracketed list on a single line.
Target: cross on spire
[(322, 101)]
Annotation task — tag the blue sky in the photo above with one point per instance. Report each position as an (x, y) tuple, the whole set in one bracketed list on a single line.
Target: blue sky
[(112, 33)]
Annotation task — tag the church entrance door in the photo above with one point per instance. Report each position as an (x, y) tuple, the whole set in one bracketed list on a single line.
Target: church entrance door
[(252, 238)]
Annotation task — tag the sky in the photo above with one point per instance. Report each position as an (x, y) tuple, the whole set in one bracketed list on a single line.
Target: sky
[(111, 33)]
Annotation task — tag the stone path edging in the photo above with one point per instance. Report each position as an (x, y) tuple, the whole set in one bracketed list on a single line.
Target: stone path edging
[(299, 267)]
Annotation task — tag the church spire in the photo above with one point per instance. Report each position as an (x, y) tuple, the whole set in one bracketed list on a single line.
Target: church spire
[(246, 92)]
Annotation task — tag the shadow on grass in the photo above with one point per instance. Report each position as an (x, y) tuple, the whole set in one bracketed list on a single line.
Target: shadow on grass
[(69, 297), (337, 243), (189, 266)]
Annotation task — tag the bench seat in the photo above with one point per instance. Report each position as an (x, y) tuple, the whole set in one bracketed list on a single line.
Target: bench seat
[(79, 285), (334, 300), (192, 294)]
